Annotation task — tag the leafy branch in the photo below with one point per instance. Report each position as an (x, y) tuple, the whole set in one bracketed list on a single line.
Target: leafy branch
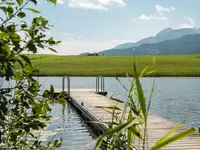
[(17, 11)]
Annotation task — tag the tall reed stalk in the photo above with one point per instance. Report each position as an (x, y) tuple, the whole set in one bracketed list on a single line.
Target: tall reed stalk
[(128, 128)]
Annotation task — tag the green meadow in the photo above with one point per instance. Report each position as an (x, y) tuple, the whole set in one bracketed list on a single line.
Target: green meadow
[(170, 65)]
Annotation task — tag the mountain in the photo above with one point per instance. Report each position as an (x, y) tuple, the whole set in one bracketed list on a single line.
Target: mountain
[(169, 33), (124, 45), (166, 34), (188, 44)]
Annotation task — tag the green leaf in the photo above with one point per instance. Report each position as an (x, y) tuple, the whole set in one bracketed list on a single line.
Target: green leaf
[(62, 101), (58, 42), (13, 137), (34, 126), (141, 97), (129, 132), (121, 83), (21, 15), (17, 75), (151, 72), (133, 106), (52, 49), (108, 107), (116, 137), (129, 140), (10, 11), (128, 77), (30, 69), (174, 138), (12, 28), (53, 1), (99, 144), (4, 9), (45, 93), (130, 91), (4, 36), (118, 128), (10, 3), (150, 96), (134, 130), (31, 47), (23, 25), (57, 143), (33, 10), (26, 59), (34, 1), (20, 2), (14, 37), (44, 22), (143, 72), (115, 99), (52, 90), (168, 133)]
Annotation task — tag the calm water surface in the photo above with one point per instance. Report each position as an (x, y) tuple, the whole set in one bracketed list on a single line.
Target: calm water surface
[(176, 99), (69, 126)]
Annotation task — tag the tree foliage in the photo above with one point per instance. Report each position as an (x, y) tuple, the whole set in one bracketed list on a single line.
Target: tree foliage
[(24, 108)]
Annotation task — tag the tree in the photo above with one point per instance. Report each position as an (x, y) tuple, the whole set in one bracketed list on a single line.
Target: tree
[(93, 54), (24, 110)]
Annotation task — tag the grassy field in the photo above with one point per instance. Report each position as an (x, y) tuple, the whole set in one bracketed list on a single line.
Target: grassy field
[(171, 65)]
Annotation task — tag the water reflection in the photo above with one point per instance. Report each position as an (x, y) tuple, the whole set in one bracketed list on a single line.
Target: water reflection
[(69, 126)]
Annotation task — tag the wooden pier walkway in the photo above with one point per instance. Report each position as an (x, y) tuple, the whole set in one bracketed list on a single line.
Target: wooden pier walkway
[(86, 101)]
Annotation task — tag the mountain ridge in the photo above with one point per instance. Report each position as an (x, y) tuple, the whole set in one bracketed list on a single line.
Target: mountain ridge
[(163, 35), (188, 44)]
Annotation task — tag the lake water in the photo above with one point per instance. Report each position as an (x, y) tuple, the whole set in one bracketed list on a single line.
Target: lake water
[(176, 99), (69, 126)]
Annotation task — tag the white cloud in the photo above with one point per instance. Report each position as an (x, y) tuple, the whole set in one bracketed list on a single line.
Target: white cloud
[(60, 2), (152, 17), (87, 6), (188, 23), (161, 9), (95, 4), (111, 2), (159, 14)]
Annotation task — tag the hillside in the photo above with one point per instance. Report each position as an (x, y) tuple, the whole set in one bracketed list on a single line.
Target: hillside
[(164, 35), (189, 44)]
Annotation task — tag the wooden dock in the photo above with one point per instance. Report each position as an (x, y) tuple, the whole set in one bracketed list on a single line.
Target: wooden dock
[(86, 100)]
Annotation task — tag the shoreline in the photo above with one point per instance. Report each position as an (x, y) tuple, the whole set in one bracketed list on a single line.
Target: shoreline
[(147, 76)]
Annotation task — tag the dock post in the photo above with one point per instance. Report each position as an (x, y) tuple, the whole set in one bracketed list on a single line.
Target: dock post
[(63, 84), (103, 85), (97, 84), (100, 82), (68, 85)]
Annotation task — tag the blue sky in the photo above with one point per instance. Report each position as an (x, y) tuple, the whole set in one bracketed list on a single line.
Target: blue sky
[(94, 25)]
